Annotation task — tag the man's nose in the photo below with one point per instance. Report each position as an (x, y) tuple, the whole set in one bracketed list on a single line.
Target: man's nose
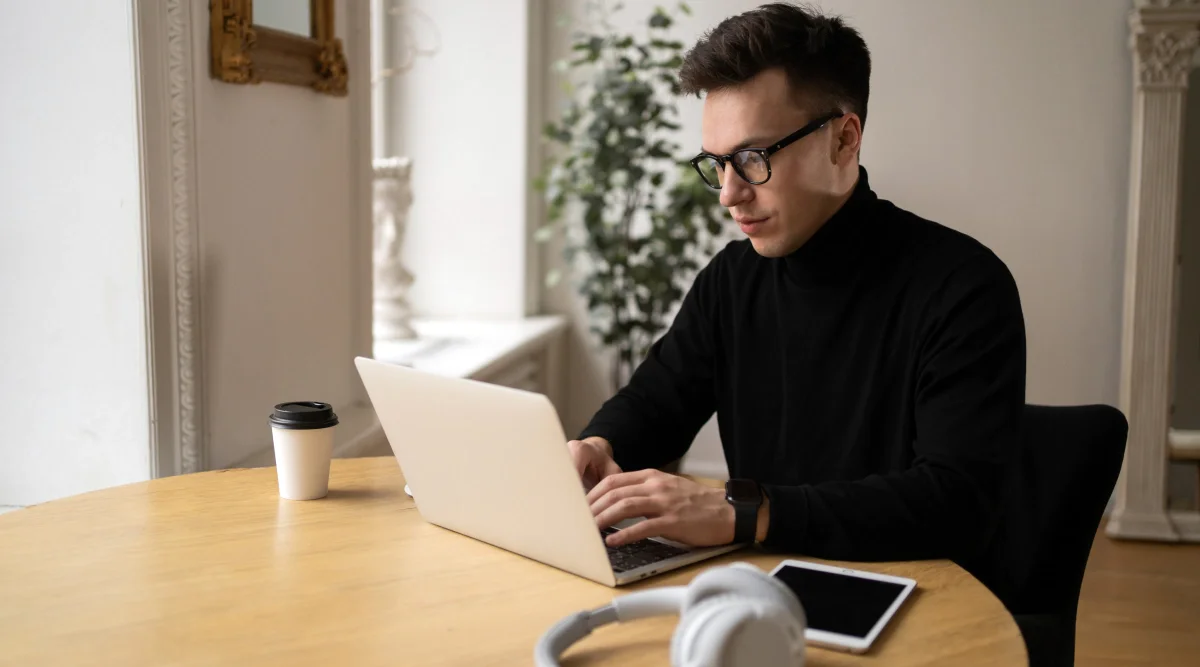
[(734, 189)]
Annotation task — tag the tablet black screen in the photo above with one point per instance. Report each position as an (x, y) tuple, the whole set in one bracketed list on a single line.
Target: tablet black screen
[(839, 603)]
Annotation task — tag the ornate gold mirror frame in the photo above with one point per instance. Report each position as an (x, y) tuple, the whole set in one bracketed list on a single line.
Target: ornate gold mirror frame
[(246, 53)]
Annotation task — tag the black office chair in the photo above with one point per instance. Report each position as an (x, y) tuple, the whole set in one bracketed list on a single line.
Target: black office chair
[(1069, 461)]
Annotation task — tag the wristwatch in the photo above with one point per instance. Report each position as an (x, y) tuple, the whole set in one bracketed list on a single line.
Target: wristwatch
[(746, 497)]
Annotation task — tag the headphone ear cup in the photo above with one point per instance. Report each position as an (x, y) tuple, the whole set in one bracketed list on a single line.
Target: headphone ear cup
[(704, 628), (784, 594), (731, 630), (745, 580)]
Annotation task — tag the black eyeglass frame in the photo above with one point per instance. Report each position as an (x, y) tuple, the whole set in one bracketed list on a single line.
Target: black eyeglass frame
[(765, 153)]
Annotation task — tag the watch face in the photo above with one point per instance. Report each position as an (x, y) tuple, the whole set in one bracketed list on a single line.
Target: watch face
[(741, 491)]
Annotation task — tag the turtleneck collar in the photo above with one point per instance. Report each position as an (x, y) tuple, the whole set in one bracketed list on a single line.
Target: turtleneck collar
[(833, 255)]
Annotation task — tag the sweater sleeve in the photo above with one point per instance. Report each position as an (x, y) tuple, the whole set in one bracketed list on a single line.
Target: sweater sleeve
[(968, 401), (653, 420)]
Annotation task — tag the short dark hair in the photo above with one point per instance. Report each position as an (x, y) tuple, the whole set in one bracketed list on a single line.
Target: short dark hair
[(822, 56)]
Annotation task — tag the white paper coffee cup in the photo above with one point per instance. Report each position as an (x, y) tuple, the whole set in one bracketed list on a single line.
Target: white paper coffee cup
[(303, 435)]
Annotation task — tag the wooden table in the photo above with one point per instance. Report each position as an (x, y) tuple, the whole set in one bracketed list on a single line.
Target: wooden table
[(215, 568)]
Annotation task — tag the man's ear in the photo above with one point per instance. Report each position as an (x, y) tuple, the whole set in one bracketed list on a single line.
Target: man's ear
[(847, 143)]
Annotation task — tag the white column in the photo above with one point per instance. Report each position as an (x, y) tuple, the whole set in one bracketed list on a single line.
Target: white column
[(1164, 34)]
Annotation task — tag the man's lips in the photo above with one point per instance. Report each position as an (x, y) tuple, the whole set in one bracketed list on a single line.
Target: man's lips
[(749, 224)]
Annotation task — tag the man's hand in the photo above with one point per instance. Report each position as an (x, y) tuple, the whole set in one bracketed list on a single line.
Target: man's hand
[(593, 460), (675, 508)]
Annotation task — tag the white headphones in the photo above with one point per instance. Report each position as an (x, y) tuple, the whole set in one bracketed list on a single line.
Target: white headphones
[(731, 615)]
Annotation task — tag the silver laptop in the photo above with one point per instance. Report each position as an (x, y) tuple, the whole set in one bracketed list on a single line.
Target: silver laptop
[(492, 463)]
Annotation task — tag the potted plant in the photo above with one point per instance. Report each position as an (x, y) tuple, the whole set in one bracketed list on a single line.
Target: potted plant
[(636, 219)]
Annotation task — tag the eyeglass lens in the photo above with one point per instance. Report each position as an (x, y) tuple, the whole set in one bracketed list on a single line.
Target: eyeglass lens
[(750, 164)]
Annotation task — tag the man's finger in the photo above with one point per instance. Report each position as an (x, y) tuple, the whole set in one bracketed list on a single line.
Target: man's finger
[(616, 495), (638, 531), (618, 480), (630, 508), (611, 468), (577, 457)]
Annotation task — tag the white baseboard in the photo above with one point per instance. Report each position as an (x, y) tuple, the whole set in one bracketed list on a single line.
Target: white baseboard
[(1188, 525), (358, 433), (1141, 526)]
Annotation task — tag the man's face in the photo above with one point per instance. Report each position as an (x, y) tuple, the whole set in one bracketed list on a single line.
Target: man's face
[(808, 177)]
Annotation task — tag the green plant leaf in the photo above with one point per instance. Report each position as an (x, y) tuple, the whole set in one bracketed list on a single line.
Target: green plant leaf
[(658, 151), (630, 238)]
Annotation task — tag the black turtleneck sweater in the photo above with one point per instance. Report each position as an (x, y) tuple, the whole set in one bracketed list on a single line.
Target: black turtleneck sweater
[(871, 382)]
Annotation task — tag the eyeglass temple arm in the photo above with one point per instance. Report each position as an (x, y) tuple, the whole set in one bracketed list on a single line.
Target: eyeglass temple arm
[(803, 132)]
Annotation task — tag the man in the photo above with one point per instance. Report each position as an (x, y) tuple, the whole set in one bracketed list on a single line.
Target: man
[(867, 366)]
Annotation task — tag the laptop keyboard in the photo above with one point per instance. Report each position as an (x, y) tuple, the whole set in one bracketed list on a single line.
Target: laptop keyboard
[(636, 554)]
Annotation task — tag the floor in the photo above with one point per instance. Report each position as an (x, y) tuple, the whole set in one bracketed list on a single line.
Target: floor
[(1140, 605)]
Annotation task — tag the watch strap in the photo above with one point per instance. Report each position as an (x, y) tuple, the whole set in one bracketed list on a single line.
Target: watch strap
[(745, 521)]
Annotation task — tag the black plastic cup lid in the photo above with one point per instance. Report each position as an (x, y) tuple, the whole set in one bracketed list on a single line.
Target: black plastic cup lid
[(303, 415)]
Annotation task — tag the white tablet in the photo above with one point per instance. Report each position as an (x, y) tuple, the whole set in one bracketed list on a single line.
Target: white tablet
[(845, 609)]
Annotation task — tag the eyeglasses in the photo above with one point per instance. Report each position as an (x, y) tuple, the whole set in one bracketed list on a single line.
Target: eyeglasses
[(752, 164)]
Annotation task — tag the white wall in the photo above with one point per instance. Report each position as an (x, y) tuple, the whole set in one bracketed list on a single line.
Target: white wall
[(1006, 120), (461, 115), (282, 220), (73, 366)]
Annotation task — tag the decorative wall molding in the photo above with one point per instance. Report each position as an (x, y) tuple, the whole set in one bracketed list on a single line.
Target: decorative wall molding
[(1163, 38), (1163, 55), (183, 222), (168, 168)]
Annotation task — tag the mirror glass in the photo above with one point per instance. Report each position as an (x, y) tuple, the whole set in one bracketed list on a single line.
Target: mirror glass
[(294, 16)]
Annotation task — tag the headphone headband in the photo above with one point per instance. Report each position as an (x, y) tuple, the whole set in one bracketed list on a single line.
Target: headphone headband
[(719, 606)]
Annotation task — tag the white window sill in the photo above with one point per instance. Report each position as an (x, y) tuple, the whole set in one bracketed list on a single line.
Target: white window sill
[(476, 349)]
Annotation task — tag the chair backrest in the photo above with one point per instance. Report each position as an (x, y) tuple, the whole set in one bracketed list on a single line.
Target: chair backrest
[(1069, 461)]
